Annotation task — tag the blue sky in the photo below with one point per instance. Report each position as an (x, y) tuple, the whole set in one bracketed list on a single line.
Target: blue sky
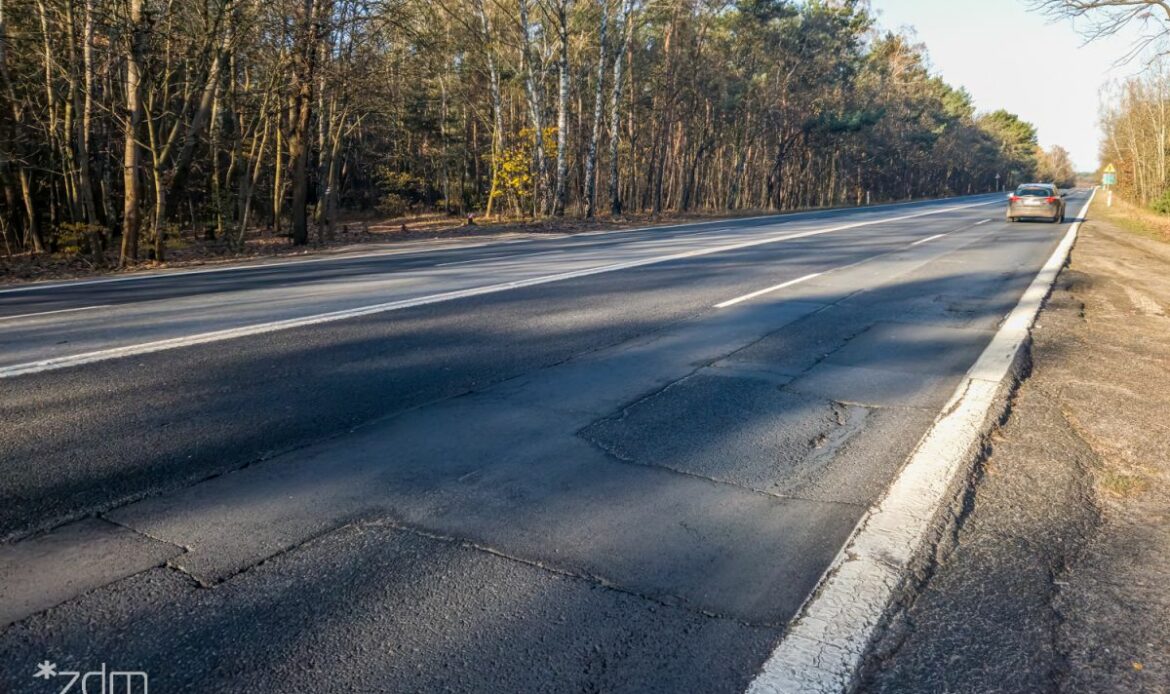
[(981, 44)]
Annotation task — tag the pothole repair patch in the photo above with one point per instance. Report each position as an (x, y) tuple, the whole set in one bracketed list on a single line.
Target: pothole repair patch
[(741, 431)]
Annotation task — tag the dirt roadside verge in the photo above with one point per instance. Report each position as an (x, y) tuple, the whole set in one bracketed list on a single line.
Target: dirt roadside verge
[(1058, 578)]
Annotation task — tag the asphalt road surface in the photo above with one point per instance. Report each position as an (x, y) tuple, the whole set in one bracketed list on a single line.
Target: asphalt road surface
[(607, 462)]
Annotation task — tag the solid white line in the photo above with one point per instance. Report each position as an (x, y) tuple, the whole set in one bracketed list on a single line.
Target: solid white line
[(445, 245), (317, 319), (50, 313), (826, 642), (982, 221), (928, 238), (782, 285)]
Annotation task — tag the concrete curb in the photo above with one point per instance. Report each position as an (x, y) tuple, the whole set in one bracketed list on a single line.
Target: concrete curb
[(826, 643)]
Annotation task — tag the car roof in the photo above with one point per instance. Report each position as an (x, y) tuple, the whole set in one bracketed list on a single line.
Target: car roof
[(1037, 185)]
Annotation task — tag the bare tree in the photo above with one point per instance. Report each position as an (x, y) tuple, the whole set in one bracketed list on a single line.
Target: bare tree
[(497, 104), (1107, 17), (310, 32), (563, 10), (598, 110), (534, 90), (132, 158), (625, 28)]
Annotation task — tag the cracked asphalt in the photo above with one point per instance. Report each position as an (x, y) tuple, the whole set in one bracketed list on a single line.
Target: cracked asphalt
[(608, 482), (1055, 579)]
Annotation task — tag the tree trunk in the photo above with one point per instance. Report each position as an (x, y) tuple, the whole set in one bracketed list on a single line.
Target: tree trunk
[(534, 90), (304, 72), (598, 108), (85, 132), (626, 27), (132, 155), (564, 7), (497, 106)]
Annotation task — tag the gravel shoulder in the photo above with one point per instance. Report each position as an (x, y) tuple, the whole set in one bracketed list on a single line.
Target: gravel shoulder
[(1057, 575)]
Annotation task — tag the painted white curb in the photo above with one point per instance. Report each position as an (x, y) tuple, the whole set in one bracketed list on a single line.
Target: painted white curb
[(825, 643)]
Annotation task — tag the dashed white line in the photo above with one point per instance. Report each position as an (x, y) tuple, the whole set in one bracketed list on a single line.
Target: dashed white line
[(465, 262), (929, 238), (982, 221), (845, 267), (761, 292), (52, 313), (498, 257)]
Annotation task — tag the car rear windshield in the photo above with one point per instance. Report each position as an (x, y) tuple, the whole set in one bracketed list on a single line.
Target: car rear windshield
[(1034, 192)]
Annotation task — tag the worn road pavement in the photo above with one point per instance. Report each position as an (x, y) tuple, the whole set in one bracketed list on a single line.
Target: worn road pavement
[(601, 462)]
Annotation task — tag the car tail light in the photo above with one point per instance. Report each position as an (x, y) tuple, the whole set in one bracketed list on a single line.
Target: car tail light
[(1014, 198), (1050, 199)]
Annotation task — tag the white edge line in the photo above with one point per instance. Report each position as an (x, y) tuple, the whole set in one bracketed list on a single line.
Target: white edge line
[(928, 238), (50, 313), (274, 326), (451, 245), (827, 640), (760, 292)]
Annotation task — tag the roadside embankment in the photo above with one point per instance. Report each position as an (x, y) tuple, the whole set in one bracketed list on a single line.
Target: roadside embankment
[(1059, 575)]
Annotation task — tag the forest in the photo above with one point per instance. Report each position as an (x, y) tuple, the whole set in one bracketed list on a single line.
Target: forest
[(125, 124), (1136, 137)]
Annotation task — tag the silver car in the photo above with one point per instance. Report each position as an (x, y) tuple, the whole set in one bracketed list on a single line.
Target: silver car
[(1036, 201)]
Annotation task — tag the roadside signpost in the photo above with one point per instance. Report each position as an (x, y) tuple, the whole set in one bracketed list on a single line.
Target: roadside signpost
[(1109, 179)]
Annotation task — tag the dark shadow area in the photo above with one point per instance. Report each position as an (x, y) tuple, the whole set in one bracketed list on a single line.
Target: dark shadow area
[(92, 438)]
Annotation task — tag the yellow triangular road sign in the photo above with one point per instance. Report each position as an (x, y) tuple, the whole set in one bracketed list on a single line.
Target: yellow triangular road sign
[(1110, 169)]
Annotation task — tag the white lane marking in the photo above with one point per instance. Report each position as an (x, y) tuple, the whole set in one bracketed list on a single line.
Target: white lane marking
[(33, 286), (425, 247), (317, 319), (50, 313), (829, 637), (928, 238), (464, 262), (824, 272), (498, 257), (761, 292), (982, 221)]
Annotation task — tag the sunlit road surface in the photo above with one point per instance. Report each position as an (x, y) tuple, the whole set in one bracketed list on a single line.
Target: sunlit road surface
[(616, 461)]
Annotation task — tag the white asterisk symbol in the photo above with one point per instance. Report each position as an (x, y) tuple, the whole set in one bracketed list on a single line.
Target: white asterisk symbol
[(46, 670)]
